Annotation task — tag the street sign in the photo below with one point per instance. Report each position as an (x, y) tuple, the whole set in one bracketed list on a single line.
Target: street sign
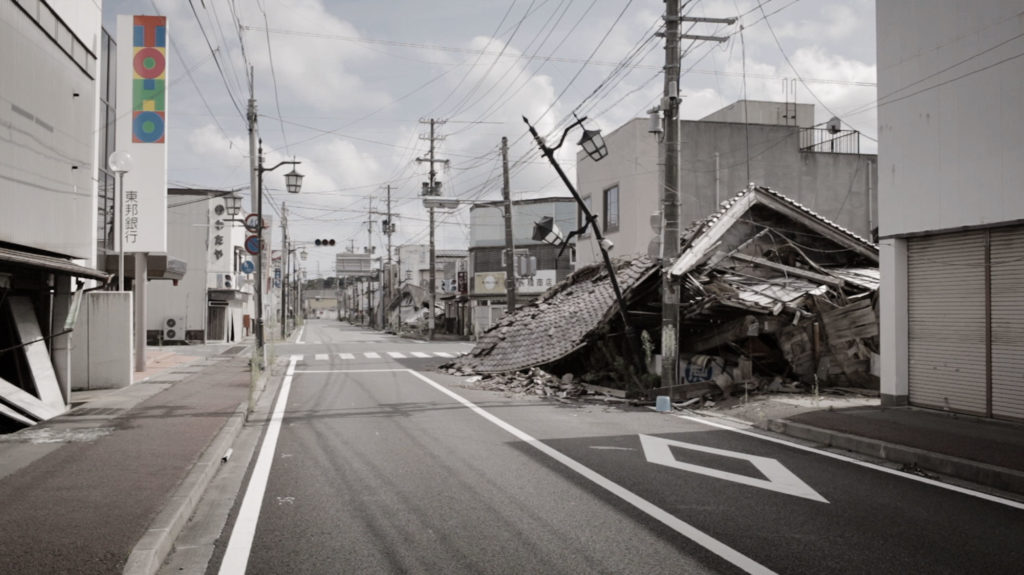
[(248, 267), (777, 477), (252, 223), (252, 245)]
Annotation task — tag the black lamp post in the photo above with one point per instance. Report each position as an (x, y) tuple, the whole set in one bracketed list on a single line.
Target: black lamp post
[(593, 144), (293, 181)]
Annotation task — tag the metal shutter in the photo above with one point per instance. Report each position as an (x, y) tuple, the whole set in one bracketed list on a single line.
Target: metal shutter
[(946, 319), (1007, 256)]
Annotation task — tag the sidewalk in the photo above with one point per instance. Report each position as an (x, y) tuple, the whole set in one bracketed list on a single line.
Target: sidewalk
[(981, 451), (84, 491)]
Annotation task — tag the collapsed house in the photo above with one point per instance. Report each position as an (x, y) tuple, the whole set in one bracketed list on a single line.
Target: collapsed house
[(769, 289), (574, 327), (771, 294)]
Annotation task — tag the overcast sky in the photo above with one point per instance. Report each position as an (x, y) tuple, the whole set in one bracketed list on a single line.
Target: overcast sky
[(344, 86)]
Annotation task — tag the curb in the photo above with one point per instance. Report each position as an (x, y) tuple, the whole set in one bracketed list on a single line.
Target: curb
[(973, 471), (153, 548)]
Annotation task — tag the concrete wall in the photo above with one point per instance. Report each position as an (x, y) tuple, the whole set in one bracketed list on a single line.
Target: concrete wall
[(101, 345), (841, 187), (951, 147), (487, 221), (50, 116), (761, 112)]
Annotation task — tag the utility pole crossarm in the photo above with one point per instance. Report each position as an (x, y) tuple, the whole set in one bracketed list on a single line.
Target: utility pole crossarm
[(729, 21)]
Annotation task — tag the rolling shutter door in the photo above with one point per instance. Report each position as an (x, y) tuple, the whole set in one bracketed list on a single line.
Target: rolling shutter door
[(1007, 253), (946, 319)]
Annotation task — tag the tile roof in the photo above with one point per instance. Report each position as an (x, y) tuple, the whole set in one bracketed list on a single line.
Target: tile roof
[(558, 323)]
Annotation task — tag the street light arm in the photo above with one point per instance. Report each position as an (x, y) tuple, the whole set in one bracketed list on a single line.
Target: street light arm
[(278, 165)]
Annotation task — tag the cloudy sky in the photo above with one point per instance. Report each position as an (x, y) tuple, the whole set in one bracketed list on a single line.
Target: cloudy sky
[(346, 86)]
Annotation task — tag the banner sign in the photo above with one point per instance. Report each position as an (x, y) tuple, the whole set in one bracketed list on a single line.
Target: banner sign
[(142, 129)]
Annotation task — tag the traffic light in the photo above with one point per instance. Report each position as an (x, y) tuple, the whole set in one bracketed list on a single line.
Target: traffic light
[(320, 242)]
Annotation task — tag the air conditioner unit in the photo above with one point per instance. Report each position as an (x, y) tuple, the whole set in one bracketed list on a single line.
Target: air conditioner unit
[(174, 329)]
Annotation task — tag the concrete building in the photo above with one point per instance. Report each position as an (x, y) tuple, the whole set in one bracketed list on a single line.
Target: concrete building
[(50, 56), (781, 148), (487, 254), (951, 163), (212, 302)]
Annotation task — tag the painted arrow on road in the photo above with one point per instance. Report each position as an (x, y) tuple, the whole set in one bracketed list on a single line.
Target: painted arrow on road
[(776, 476)]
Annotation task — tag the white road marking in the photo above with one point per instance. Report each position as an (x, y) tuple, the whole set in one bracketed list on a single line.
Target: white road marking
[(321, 357), (396, 354), (372, 355), (443, 354), (685, 529), (420, 354), (777, 477), (298, 338), (956, 488), (298, 357), (236, 556), (346, 356)]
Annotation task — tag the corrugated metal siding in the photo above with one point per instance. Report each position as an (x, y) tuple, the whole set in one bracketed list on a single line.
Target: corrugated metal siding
[(1007, 252), (946, 285)]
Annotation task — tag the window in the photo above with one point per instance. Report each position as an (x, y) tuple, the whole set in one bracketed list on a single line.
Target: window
[(611, 209)]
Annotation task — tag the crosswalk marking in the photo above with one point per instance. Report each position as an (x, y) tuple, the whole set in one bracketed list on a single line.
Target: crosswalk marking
[(378, 355)]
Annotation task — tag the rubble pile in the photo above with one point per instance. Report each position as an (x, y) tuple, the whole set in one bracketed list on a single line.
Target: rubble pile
[(536, 381)]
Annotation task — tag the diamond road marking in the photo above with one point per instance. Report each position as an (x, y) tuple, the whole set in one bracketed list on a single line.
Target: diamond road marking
[(443, 354), (346, 356), (396, 354), (420, 354), (777, 477), (372, 355)]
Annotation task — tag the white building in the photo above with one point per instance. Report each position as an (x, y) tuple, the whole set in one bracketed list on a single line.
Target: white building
[(951, 167), (212, 301), (781, 148)]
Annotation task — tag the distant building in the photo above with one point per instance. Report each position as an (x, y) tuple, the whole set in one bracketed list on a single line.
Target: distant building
[(820, 167), (951, 165), (488, 252), (212, 302)]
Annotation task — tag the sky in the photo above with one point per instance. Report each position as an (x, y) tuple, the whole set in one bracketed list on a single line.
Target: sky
[(347, 87)]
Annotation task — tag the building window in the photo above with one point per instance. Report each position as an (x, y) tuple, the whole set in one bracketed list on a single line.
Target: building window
[(611, 209)]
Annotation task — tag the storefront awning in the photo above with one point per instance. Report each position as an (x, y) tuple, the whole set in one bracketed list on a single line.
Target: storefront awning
[(158, 266), (22, 259)]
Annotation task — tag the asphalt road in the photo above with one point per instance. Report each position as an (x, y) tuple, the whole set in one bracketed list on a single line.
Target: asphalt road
[(377, 464)]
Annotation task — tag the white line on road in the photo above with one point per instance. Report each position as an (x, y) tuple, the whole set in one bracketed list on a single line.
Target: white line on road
[(321, 357), (372, 355), (298, 338), (685, 529), (236, 556), (396, 354), (346, 356), (420, 354), (443, 354), (869, 465)]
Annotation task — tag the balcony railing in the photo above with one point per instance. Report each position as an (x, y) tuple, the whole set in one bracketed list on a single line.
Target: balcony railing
[(829, 141)]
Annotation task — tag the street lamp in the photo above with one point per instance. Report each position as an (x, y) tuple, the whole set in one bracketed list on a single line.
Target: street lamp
[(232, 205), (293, 181), (120, 163), (593, 144)]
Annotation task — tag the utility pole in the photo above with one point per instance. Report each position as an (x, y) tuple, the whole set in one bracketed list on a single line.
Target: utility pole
[(432, 188), (510, 264), (670, 191), (284, 271), (370, 316), (670, 201), (389, 227)]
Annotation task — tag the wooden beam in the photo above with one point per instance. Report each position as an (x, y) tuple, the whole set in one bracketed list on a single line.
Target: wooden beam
[(801, 273)]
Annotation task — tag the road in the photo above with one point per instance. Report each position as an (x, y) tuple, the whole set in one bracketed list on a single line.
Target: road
[(376, 463)]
